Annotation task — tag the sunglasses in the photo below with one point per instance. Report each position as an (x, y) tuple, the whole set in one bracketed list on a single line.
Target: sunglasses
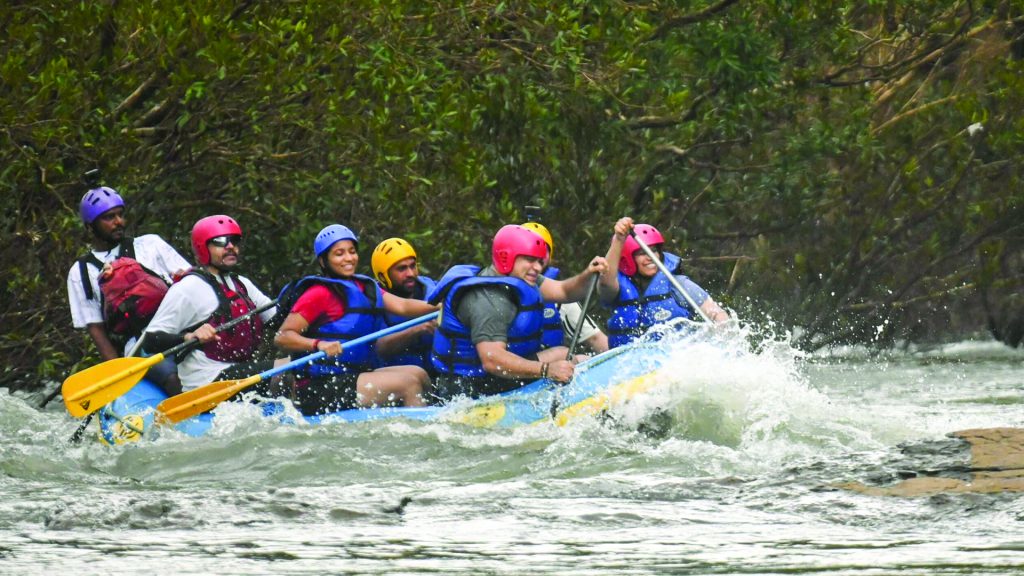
[(223, 241)]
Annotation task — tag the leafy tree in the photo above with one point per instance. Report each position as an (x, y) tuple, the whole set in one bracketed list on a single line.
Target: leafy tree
[(850, 168)]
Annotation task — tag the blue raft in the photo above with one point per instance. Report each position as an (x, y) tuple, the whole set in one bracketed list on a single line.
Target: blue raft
[(600, 382)]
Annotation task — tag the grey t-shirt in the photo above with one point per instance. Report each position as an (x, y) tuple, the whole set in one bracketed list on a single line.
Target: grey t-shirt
[(488, 311)]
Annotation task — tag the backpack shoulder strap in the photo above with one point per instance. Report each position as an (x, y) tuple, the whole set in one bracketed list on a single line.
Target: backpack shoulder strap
[(127, 248), (83, 270)]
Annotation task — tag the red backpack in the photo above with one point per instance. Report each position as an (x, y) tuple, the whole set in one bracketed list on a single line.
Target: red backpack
[(130, 294)]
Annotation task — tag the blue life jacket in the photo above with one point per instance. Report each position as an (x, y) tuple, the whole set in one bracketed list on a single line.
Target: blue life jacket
[(418, 353), (553, 333), (364, 314), (454, 352), (633, 314)]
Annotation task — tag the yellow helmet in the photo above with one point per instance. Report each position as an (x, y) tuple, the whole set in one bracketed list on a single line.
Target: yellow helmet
[(543, 232), (386, 254)]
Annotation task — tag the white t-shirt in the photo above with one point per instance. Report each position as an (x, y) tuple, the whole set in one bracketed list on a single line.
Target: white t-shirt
[(150, 250), (188, 303), (571, 312)]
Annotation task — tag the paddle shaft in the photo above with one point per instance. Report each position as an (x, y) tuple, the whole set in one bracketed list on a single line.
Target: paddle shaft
[(355, 342), (189, 345), (204, 398), (49, 397), (578, 329), (675, 283)]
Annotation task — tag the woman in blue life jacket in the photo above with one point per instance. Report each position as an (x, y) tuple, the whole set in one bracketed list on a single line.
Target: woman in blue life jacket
[(639, 295), (333, 308)]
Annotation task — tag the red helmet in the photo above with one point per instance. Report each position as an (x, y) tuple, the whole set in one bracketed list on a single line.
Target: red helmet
[(649, 234), (513, 241), (211, 227)]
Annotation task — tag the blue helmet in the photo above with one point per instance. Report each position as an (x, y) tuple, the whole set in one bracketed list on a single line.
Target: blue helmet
[(331, 235)]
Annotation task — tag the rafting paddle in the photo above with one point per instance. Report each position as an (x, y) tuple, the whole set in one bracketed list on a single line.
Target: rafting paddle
[(675, 283), (205, 398), (89, 390), (578, 329)]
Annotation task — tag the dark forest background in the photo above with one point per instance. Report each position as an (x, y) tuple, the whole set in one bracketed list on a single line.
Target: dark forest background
[(849, 168)]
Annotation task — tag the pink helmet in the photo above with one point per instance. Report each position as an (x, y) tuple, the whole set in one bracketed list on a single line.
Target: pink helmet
[(513, 241), (649, 234), (211, 227)]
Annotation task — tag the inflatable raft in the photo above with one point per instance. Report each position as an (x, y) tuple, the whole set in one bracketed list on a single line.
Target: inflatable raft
[(605, 380)]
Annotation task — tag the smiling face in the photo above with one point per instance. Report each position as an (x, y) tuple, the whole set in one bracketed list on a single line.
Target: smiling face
[(645, 266), (342, 258), (527, 269), (403, 276)]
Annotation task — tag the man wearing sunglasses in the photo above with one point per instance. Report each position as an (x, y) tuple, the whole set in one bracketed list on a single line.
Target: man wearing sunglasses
[(208, 296)]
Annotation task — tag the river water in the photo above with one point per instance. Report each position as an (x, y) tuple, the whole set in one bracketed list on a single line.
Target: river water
[(728, 466)]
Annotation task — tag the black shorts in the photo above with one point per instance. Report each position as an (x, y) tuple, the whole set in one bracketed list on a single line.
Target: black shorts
[(447, 387), (246, 369), (325, 394)]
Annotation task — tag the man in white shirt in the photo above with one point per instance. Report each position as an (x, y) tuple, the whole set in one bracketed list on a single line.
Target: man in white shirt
[(103, 212), (208, 296)]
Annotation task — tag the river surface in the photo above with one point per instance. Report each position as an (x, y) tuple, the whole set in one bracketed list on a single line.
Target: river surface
[(728, 466)]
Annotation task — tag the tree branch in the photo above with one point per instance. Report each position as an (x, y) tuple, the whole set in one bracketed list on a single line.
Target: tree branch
[(691, 18)]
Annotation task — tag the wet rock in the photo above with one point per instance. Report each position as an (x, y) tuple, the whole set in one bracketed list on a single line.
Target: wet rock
[(995, 464)]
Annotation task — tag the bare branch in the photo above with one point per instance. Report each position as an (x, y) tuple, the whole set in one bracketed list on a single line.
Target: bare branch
[(691, 18), (135, 98)]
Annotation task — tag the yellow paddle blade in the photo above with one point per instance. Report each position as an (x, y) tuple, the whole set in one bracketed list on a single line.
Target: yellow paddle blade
[(195, 402), (93, 388)]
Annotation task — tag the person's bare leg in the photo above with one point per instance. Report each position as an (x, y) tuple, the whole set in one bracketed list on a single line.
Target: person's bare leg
[(392, 384)]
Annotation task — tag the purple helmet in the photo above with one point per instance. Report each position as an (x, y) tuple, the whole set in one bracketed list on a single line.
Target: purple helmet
[(97, 201)]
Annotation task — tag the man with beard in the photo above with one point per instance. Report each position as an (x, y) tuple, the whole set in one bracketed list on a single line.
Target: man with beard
[(103, 212), (212, 294), (396, 268)]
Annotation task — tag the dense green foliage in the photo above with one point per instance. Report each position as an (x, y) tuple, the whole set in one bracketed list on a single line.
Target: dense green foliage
[(852, 168)]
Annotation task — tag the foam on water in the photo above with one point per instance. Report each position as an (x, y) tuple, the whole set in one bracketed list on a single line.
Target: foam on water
[(732, 403)]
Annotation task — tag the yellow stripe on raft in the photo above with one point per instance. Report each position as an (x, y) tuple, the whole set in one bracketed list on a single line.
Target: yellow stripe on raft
[(484, 416), (613, 396)]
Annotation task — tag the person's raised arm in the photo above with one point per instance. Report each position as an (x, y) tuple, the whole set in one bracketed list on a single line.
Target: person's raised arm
[(608, 287)]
